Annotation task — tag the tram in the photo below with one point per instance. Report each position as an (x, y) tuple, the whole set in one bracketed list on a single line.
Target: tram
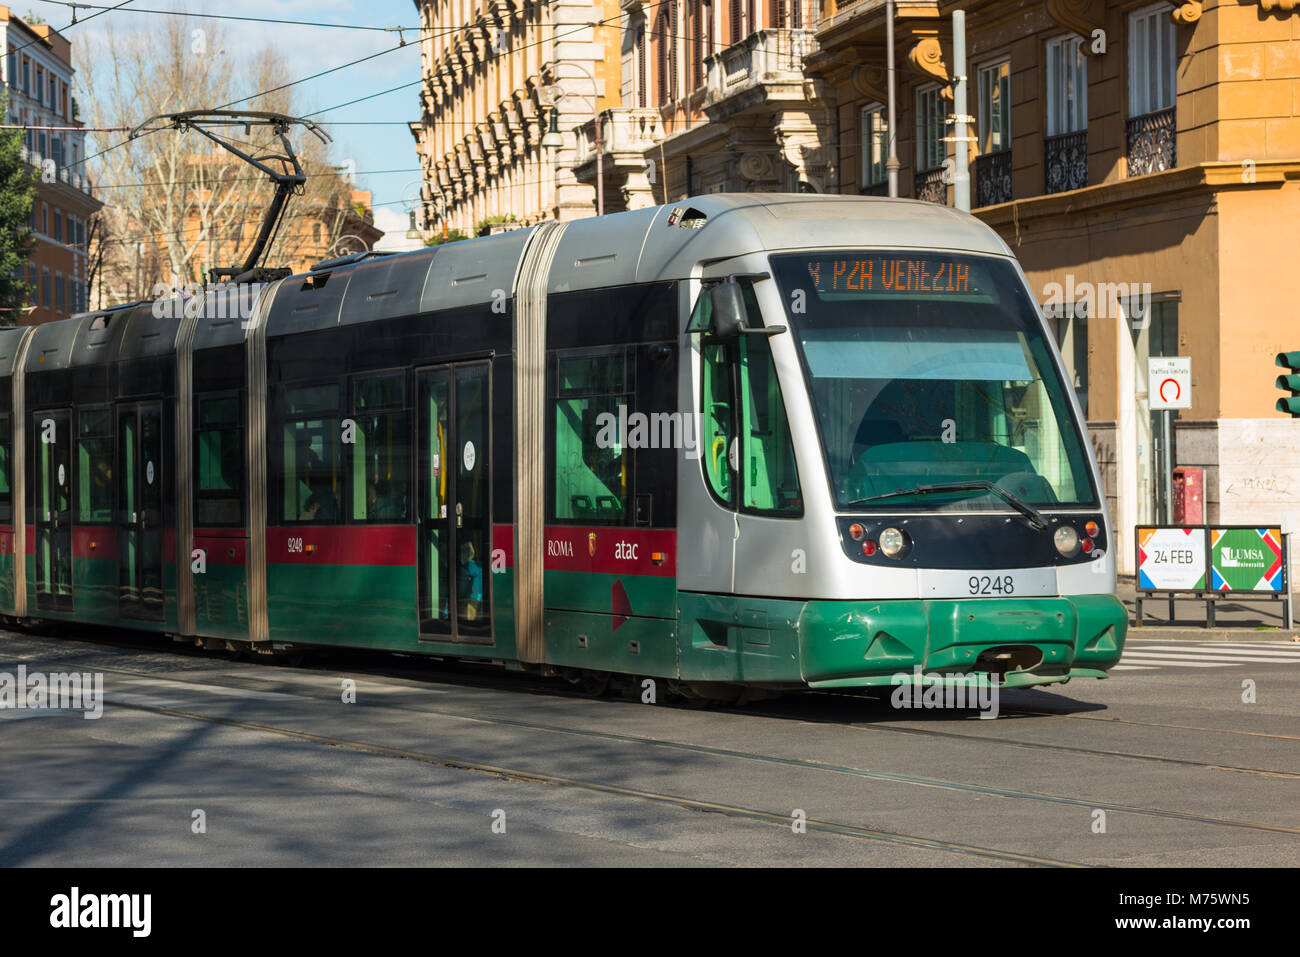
[(739, 441)]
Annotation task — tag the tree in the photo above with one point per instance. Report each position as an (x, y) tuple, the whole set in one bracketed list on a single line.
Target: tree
[(17, 196), (179, 204)]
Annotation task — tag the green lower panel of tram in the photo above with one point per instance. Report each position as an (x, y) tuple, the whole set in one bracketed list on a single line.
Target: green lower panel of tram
[(221, 602), (95, 590), (860, 644), (7, 582), (360, 606), (846, 644)]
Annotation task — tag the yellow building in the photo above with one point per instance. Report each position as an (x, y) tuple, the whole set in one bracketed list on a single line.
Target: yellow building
[(499, 75), (1143, 162)]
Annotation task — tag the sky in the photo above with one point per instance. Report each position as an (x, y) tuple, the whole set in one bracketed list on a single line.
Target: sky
[(372, 134)]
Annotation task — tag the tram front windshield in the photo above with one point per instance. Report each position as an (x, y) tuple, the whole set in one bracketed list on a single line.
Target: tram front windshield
[(931, 369)]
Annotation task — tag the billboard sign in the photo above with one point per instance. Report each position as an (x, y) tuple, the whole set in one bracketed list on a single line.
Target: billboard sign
[(1246, 559), (1171, 559)]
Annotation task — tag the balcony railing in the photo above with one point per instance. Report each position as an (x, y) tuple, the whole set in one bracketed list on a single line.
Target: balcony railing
[(1151, 142), (75, 179), (993, 178), (767, 56), (1065, 160), (626, 130), (929, 186)]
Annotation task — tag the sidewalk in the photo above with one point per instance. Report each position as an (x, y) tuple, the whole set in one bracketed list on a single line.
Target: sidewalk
[(1244, 620)]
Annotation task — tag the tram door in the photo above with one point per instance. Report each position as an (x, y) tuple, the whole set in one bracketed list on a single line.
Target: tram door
[(53, 525), (140, 513), (454, 534)]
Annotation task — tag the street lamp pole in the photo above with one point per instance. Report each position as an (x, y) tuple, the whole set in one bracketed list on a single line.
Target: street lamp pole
[(600, 147)]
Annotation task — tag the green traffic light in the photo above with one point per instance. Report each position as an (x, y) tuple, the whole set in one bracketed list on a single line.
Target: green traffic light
[(1291, 383)]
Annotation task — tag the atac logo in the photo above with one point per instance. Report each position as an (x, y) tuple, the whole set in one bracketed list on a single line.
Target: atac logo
[(626, 551)]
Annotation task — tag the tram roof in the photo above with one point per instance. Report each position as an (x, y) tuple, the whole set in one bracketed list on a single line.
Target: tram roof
[(667, 242)]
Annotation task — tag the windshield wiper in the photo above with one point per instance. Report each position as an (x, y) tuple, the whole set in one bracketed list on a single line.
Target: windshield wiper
[(977, 485)]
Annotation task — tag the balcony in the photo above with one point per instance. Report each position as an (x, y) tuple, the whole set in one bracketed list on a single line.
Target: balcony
[(76, 180), (764, 66), (1151, 143), (993, 178), (627, 132), (928, 185), (1065, 162)]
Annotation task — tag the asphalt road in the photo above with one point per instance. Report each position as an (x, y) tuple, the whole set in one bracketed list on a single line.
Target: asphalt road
[(1164, 764)]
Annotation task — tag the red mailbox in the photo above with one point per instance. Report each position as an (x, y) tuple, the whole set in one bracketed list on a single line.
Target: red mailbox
[(1189, 496)]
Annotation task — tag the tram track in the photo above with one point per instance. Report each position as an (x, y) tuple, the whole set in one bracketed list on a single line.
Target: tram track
[(693, 804), (802, 763)]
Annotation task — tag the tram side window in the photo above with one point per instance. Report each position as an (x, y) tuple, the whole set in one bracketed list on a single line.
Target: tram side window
[(380, 449), (6, 490), (592, 462), (219, 463), (312, 477), (763, 458), (94, 465), (771, 481), (718, 437)]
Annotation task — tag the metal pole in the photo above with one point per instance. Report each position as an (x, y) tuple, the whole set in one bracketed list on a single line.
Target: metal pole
[(1289, 603), (961, 180), (600, 168), (891, 162), (1167, 467)]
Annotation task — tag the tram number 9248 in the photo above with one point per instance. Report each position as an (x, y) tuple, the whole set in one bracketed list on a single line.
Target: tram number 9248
[(995, 585)]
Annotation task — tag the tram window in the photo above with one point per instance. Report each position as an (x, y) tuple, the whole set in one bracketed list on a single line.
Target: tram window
[(771, 481), (6, 491), (715, 394), (593, 468), (380, 449), (219, 463), (94, 465), (312, 476)]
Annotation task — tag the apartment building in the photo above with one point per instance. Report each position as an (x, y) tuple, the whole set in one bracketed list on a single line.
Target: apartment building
[(38, 78), (505, 84)]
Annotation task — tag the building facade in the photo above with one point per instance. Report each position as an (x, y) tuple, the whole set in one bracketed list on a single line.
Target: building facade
[(499, 75), (715, 98), (1142, 161), (38, 76)]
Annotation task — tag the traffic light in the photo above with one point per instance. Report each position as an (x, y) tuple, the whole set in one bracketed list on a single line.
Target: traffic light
[(1290, 404)]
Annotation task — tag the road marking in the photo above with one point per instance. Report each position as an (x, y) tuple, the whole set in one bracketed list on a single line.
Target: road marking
[(1205, 655)]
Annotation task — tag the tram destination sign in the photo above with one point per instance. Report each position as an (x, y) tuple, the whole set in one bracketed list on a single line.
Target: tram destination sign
[(1171, 559), (920, 275)]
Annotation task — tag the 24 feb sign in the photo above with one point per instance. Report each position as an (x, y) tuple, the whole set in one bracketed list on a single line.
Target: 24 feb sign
[(1171, 559), (1246, 559)]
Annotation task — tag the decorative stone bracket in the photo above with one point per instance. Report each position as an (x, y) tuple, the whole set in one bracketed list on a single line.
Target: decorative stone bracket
[(1283, 7), (926, 57)]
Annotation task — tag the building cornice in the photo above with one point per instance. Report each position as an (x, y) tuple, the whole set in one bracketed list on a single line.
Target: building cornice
[(1142, 191)]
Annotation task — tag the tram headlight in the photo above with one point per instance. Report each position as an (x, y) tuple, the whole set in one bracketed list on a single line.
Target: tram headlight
[(892, 541), (1066, 540)]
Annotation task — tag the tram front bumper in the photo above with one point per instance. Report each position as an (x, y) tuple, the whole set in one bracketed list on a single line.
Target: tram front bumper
[(1026, 641)]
